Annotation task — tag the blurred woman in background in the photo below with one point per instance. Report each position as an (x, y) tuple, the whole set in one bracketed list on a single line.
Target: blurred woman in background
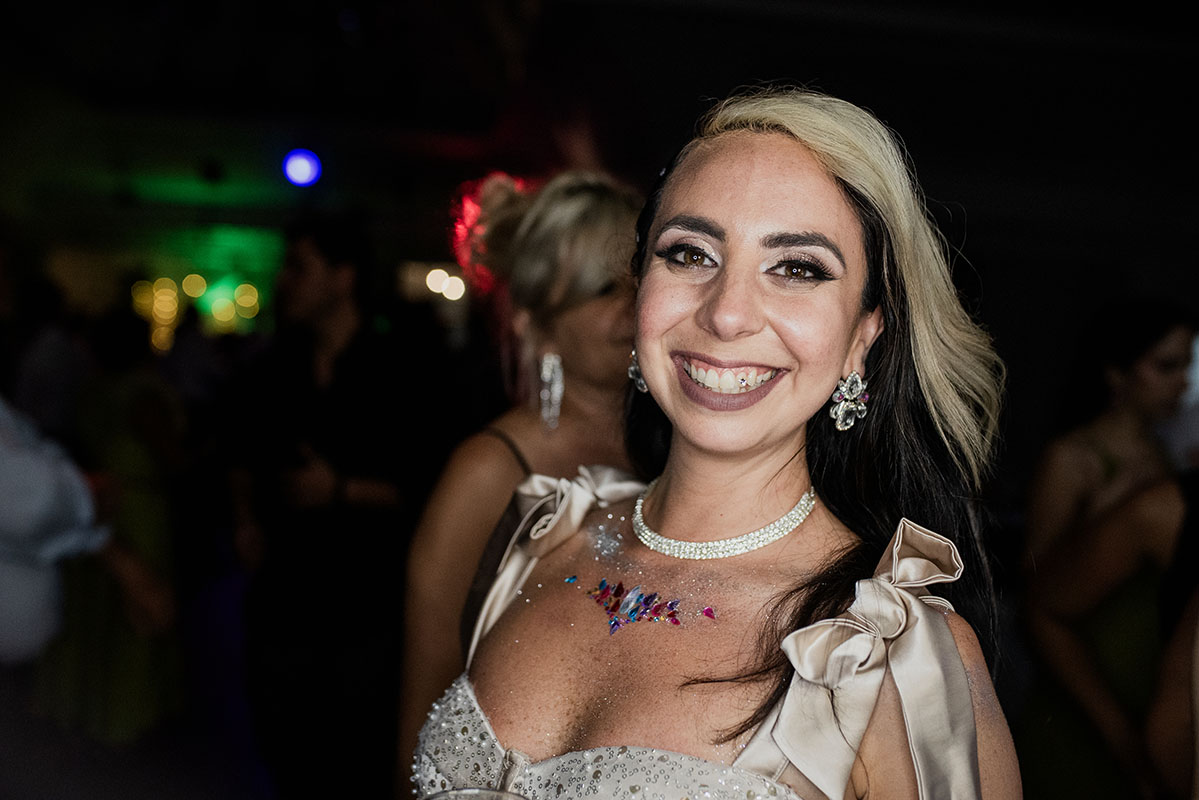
[(560, 255), (1103, 529), (1129, 377)]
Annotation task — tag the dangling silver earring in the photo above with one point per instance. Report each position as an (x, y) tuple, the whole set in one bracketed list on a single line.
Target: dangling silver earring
[(635, 373), (551, 389), (850, 399)]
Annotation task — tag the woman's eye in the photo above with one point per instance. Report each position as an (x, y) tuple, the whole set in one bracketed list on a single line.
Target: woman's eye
[(686, 255), (800, 271)]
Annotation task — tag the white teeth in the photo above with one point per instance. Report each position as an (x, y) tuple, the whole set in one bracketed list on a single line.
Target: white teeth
[(727, 381)]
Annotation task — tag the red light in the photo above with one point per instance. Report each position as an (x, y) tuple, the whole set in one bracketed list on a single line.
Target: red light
[(464, 227), (466, 230), (480, 278)]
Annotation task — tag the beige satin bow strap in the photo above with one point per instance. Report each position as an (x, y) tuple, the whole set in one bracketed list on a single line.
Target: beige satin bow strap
[(917, 557), (562, 512), (552, 509), (840, 665)]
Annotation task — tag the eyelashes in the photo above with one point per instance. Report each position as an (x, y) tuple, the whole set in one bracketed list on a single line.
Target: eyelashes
[(790, 270), (801, 270), (686, 255)]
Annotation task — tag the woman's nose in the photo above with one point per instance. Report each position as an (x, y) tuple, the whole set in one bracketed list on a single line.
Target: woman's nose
[(733, 305)]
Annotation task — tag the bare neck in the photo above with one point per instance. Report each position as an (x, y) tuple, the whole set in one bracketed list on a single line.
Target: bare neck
[(703, 497)]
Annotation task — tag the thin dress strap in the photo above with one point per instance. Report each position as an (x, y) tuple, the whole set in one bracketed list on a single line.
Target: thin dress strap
[(493, 552), (506, 439)]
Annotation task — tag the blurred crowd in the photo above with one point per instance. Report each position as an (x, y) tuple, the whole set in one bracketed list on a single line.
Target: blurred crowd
[(221, 533), (215, 536)]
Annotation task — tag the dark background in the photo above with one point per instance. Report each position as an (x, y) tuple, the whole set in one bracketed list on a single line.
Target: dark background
[(1056, 146)]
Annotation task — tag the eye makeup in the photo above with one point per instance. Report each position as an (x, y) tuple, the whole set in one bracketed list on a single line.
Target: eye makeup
[(800, 269), (686, 255)]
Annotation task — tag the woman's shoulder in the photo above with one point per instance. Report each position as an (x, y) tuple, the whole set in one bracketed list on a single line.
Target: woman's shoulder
[(475, 483), (917, 677), (1079, 449), (969, 650), (897, 731), (498, 446)]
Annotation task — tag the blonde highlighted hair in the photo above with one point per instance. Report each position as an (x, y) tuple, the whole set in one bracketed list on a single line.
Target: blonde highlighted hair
[(926, 446), (959, 373)]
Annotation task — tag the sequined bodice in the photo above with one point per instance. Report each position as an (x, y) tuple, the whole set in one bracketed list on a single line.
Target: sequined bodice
[(458, 749)]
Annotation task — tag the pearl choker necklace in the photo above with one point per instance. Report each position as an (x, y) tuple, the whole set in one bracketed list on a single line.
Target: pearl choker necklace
[(722, 548)]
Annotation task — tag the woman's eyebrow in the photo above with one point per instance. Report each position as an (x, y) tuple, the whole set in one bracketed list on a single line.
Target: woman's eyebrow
[(777, 241), (693, 224)]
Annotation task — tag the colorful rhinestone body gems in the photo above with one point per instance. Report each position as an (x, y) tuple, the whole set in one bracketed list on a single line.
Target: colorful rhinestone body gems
[(721, 548), (625, 607), (632, 606)]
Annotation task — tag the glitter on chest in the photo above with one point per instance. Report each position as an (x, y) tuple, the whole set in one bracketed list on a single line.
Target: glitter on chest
[(606, 538)]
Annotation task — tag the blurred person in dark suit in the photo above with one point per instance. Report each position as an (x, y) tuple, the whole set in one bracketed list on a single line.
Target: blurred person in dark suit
[(325, 450)]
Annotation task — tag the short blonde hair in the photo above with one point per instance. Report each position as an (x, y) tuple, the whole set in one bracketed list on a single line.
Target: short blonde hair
[(559, 245)]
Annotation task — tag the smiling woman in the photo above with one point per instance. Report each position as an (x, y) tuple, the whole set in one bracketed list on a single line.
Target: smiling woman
[(808, 644), (758, 266)]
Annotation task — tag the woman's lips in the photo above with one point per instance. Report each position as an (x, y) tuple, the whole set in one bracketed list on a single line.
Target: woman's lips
[(721, 387)]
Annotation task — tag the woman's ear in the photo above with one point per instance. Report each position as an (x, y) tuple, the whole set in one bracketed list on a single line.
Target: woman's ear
[(522, 323), (868, 329), (533, 339)]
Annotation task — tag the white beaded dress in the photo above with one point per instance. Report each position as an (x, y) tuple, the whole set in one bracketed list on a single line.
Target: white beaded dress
[(893, 624)]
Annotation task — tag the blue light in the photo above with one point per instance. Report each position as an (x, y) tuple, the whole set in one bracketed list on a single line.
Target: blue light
[(302, 167)]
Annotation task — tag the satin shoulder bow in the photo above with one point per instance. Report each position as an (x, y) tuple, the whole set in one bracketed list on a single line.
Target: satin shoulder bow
[(551, 510), (840, 664)]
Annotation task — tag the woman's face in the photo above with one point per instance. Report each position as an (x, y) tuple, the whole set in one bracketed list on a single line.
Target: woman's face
[(1155, 382), (749, 308), (594, 338)]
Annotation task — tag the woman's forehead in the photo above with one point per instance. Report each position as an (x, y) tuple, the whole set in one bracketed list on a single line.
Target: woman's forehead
[(769, 174)]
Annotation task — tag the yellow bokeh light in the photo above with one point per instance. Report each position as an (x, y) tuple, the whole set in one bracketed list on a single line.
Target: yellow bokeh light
[(143, 297), (194, 285), (436, 279), (223, 310), (247, 311), (454, 288), (165, 285), (246, 295), (165, 308), (162, 338)]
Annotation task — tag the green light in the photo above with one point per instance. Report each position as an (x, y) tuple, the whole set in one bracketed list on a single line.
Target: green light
[(192, 190), (226, 257)]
